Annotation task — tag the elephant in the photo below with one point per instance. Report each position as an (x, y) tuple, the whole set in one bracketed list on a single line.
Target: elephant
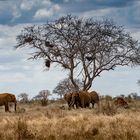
[(68, 97), (94, 98), (6, 98), (81, 98)]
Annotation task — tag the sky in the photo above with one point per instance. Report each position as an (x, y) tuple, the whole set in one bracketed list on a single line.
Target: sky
[(19, 75)]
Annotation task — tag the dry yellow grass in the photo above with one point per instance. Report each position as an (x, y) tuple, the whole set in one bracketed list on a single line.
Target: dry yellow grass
[(54, 123)]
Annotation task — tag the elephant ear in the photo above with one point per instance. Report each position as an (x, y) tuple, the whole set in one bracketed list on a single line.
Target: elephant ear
[(77, 95), (10, 98)]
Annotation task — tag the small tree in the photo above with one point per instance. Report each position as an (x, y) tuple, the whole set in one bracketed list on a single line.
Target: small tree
[(108, 97), (83, 47), (23, 97), (66, 86), (134, 95), (122, 95), (129, 98), (43, 97)]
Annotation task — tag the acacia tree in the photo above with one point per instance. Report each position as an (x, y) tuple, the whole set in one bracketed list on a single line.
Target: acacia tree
[(43, 97), (23, 97), (83, 47), (66, 86)]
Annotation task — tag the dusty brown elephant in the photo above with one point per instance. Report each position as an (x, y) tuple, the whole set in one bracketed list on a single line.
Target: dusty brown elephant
[(68, 98), (81, 98), (6, 98), (94, 98)]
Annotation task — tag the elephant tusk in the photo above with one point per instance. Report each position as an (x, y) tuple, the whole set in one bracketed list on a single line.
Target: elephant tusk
[(71, 104)]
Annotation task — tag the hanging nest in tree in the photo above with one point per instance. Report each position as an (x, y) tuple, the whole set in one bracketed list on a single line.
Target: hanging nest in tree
[(47, 43), (51, 45), (89, 58), (47, 63), (65, 66), (57, 53), (28, 40)]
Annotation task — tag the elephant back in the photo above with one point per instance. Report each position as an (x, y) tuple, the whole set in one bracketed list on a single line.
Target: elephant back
[(1, 101), (94, 96), (85, 96), (2, 98)]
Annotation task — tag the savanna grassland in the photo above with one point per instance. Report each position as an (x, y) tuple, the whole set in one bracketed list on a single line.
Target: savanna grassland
[(55, 122)]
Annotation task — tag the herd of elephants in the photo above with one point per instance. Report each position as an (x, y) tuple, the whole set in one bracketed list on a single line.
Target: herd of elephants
[(81, 99), (77, 99)]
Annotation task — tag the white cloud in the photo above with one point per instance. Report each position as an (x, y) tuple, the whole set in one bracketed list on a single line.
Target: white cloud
[(8, 35), (66, 0), (44, 13), (136, 11), (56, 8), (15, 12), (7, 31), (27, 4), (17, 8), (96, 13), (80, 0), (4, 68), (14, 77), (30, 4), (136, 35), (120, 81), (46, 3)]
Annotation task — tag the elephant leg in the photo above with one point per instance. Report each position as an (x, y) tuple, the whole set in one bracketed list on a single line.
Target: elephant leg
[(92, 104), (15, 107), (82, 103), (69, 107), (6, 107), (87, 105), (77, 105)]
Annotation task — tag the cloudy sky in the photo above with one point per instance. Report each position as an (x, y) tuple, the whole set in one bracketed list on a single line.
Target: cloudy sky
[(18, 75)]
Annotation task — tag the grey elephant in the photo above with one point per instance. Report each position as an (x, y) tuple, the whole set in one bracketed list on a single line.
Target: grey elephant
[(6, 98)]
